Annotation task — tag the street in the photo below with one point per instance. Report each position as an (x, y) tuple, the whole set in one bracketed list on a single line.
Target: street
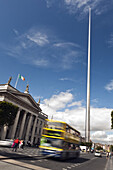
[(29, 158)]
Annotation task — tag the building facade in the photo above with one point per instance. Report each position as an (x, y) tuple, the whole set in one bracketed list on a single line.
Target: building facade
[(29, 119)]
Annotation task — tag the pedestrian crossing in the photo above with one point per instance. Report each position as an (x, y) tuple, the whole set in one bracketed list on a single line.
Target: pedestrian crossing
[(38, 160)]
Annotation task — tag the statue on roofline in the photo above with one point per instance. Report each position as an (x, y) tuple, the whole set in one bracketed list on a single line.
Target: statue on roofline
[(10, 78), (27, 89), (38, 102)]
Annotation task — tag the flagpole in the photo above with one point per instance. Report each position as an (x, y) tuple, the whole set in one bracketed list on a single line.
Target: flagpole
[(16, 80)]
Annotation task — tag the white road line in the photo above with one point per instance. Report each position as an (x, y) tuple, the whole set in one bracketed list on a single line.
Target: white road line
[(76, 164), (21, 164)]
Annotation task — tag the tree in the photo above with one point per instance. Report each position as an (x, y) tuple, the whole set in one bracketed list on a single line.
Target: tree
[(111, 148), (99, 148), (112, 120), (88, 144), (8, 113)]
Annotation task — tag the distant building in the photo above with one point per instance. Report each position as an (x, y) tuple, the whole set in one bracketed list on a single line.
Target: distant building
[(82, 139), (29, 120)]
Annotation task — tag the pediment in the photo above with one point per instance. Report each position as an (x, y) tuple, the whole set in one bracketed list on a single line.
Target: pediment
[(24, 97), (27, 98)]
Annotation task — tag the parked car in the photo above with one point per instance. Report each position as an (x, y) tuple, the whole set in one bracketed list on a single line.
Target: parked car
[(98, 154), (7, 142)]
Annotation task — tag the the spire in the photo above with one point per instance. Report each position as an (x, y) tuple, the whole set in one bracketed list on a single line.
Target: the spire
[(87, 127)]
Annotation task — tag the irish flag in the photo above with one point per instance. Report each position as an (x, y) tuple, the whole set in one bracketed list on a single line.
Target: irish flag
[(21, 77)]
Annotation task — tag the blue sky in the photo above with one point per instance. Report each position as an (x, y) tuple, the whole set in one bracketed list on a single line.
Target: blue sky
[(46, 41)]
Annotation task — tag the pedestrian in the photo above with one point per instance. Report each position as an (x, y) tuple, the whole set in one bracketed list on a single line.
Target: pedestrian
[(110, 155), (107, 155), (20, 144), (16, 144), (29, 143), (23, 144)]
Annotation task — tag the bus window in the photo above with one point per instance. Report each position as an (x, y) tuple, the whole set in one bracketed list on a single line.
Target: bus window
[(53, 133), (55, 125), (50, 142)]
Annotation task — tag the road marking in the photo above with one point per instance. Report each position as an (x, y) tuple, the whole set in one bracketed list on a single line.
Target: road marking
[(21, 164), (76, 164), (109, 164)]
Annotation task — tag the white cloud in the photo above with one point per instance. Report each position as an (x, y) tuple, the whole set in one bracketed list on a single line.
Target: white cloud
[(59, 101), (100, 118), (110, 42), (40, 62), (16, 32), (74, 6), (37, 47), (95, 100), (78, 103), (66, 79), (66, 44), (109, 86), (37, 97), (38, 38), (81, 7), (102, 137)]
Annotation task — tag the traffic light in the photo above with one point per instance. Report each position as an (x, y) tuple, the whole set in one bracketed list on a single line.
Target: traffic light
[(112, 120)]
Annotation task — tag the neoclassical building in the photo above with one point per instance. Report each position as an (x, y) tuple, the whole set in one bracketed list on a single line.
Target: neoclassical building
[(29, 119)]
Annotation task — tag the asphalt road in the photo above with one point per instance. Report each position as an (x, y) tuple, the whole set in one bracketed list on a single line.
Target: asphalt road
[(30, 159)]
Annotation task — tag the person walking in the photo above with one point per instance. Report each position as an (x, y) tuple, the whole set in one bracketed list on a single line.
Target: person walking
[(107, 155), (23, 144), (110, 155), (16, 144)]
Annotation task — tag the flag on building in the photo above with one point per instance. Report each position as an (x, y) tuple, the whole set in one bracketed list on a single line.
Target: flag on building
[(21, 77)]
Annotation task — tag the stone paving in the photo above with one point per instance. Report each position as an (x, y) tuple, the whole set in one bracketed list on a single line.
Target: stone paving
[(27, 151)]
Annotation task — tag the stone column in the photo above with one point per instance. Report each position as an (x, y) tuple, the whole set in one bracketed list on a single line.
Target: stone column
[(42, 127), (22, 125), (38, 127), (4, 132), (13, 128), (33, 131), (28, 128)]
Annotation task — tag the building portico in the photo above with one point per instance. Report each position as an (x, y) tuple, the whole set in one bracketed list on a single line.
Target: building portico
[(29, 119)]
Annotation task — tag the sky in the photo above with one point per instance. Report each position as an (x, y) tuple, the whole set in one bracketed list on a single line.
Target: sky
[(46, 41)]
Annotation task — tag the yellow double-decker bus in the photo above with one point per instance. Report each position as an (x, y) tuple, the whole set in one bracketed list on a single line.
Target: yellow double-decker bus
[(60, 140)]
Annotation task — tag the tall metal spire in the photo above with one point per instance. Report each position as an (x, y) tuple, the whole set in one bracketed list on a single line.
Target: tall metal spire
[(87, 128)]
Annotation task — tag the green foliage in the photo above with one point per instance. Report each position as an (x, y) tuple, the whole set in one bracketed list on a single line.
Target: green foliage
[(7, 113), (112, 120), (88, 144), (99, 148), (111, 148)]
